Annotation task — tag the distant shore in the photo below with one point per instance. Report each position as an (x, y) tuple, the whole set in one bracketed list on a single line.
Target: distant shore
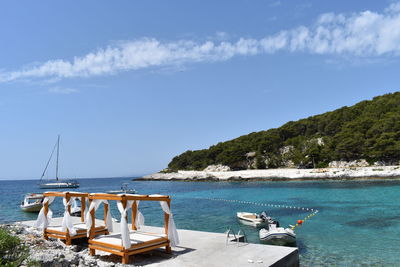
[(352, 173)]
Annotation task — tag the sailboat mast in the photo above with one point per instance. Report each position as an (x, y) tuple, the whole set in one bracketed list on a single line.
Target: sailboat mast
[(58, 150)]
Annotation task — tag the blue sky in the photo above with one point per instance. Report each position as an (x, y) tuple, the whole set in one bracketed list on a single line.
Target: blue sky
[(131, 84)]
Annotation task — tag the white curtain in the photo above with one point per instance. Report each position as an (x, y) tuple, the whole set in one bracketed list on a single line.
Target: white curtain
[(139, 220), (172, 233), (88, 217), (126, 241), (67, 220), (42, 219)]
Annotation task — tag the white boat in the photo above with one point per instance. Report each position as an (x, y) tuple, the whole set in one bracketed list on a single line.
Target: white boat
[(32, 202), (57, 182), (254, 219), (124, 190), (75, 208), (277, 235)]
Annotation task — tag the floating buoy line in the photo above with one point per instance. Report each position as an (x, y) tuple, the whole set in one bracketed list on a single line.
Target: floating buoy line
[(299, 222)]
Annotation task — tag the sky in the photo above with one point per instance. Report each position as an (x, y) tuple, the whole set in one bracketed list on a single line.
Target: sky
[(130, 84)]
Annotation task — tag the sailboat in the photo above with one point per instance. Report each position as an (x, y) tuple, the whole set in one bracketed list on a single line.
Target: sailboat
[(57, 183)]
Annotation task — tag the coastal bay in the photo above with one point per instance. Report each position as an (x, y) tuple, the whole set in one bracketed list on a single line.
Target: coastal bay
[(281, 174), (351, 213)]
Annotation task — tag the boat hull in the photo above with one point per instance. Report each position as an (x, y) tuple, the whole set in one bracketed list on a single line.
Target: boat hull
[(31, 208), (122, 192), (282, 237), (255, 222), (58, 185)]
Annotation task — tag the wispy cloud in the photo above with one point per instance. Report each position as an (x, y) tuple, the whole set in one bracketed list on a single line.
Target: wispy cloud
[(363, 34), (62, 90), (275, 3)]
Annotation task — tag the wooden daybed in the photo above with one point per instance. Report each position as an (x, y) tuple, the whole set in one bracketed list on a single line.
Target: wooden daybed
[(60, 232), (130, 242)]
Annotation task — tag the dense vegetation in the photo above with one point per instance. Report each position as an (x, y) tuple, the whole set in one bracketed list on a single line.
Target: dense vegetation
[(12, 253), (368, 130)]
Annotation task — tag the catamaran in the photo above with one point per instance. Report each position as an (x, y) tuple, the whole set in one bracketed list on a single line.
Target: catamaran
[(57, 182)]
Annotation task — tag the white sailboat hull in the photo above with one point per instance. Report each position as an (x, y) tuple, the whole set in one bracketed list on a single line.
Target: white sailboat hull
[(59, 185)]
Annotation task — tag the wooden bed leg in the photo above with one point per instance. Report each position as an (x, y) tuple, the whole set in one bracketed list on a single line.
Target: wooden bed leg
[(168, 249), (67, 239), (92, 252), (125, 259)]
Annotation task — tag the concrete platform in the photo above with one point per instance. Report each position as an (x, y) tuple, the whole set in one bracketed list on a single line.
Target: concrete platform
[(210, 249)]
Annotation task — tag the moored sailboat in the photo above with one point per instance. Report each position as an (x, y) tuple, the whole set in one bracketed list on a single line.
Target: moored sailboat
[(57, 182)]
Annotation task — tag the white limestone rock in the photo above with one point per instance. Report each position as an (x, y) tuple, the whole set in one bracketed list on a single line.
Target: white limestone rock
[(348, 164), (217, 168)]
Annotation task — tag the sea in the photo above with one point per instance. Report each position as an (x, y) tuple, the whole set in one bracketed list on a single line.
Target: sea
[(357, 224)]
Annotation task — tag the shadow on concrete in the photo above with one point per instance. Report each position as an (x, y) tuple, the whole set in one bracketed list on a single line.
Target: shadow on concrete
[(150, 257)]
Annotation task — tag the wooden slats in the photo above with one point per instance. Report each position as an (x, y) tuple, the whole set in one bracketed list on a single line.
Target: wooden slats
[(62, 194), (105, 196), (150, 242), (140, 250), (91, 241), (106, 249)]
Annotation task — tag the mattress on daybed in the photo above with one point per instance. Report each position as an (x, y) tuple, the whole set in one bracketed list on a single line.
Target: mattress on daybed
[(77, 226), (136, 237)]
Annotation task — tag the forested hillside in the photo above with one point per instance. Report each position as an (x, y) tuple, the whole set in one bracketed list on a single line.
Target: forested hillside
[(368, 130)]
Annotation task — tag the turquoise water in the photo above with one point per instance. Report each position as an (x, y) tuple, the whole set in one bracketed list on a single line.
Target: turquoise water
[(358, 223)]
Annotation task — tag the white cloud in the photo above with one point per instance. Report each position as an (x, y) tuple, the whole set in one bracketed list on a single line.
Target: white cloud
[(363, 34), (62, 90)]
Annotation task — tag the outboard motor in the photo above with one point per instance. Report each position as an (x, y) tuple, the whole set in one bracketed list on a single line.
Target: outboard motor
[(264, 216), (275, 222)]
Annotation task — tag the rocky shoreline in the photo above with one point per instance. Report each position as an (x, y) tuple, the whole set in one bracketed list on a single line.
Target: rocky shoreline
[(54, 253), (288, 174)]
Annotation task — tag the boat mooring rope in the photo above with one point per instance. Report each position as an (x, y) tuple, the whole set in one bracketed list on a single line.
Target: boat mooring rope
[(299, 222)]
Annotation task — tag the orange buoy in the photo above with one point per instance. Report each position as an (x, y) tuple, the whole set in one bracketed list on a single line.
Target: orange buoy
[(299, 221)]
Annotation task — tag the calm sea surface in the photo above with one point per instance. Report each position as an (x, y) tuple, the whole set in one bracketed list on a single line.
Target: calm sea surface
[(358, 223)]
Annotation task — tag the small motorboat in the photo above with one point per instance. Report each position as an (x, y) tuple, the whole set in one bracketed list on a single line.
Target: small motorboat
[(277, 235), (32, 202), (75, 208), (124, 190), (254, 219)]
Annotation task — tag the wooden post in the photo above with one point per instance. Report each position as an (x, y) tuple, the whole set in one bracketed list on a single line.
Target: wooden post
[(166, 223), (93, 215), (105, 212), (67, 236), (134, 212), (166, 219), (92, 252), (46, 210), (125, 259), (83, 207)]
